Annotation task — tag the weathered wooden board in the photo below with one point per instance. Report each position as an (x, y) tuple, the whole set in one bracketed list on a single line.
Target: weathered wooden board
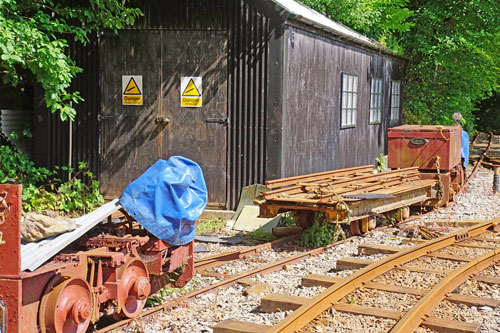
[(131, 137), (312, 138), (197, 53)]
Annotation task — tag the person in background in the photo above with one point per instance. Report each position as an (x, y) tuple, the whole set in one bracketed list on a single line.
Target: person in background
[(457, 117)]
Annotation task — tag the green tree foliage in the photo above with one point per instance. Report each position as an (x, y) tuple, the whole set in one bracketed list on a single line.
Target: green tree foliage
[(454, 52), (378, 19), (488, 115), (32, 42), (452, 46)]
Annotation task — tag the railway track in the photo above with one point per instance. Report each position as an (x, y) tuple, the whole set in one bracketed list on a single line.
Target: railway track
[(207, 263), (485, 149), (221, 259), (483, 250)]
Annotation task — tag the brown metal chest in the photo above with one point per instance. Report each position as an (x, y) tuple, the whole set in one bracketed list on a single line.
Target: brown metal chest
[(423, 145)]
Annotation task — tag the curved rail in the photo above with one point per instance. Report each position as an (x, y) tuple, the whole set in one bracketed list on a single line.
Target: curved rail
[(310, 310), (478, 163), (275, 266), (413, 318)]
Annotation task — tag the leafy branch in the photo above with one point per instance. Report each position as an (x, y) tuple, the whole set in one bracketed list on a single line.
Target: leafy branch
[(33, 37)]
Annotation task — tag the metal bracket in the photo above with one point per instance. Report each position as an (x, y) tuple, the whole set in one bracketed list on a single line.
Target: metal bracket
[(3, 317), (162, 121), (222, 121)]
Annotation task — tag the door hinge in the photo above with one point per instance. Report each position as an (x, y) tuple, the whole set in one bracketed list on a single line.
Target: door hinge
[(222, 121)]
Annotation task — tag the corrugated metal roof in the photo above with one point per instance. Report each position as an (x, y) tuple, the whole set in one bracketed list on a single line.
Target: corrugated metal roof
[(302, 13)]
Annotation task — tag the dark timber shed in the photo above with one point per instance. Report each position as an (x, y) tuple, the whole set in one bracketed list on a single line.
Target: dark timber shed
[(286, 91)]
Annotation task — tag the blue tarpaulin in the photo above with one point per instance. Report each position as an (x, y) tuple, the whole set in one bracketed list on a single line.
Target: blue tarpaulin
[(465, 148), (167, 199)]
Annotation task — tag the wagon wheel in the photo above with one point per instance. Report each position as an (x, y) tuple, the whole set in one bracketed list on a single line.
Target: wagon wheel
[(355, 228), (66, 305), (304, 219), (134, 288)]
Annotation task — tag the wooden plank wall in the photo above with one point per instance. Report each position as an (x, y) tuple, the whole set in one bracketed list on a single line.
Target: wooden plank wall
[(312, 138)]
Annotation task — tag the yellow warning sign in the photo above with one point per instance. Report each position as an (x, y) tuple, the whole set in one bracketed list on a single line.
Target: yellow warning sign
[(132, 100), (191, 92), (132, 89)]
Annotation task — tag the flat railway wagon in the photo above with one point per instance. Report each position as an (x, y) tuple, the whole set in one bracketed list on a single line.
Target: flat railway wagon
[(426, 171), (111, 273)]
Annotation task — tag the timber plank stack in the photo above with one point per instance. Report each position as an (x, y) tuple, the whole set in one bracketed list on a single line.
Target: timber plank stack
[(365, 192)]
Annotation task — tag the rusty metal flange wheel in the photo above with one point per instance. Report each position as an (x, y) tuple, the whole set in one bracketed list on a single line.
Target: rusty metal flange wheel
[(134, 288), (355, 227), (66, 305)]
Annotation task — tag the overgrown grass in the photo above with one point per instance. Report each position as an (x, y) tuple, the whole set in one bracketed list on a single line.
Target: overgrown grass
[(210, 226), (261, 235), (169, 292), (321, 233)]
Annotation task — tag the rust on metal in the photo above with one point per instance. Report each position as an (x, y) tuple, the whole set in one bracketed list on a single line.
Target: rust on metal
[(222, 258), (3, 317), (66, 305), (302, 316), (275, 266), (345, 195), (442, 141), (413, 318), (10, 234), (79, 285)]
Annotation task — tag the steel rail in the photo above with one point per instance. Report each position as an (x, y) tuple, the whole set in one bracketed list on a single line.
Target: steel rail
[(219, 259), (354, 180), (412, 319), (476, 167), (275, 183), (310, 310), (203, 263), (225, 283), (275, 266)]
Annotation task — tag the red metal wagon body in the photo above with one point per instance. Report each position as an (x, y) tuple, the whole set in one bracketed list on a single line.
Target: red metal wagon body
[(112, 275), (436, 150)]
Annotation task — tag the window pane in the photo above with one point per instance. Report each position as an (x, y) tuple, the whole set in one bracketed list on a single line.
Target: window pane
[(375, 100), (349, 100)]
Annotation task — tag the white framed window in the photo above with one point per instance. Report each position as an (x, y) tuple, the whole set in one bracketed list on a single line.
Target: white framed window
[(349, 101), (376, 101), (395, 99)]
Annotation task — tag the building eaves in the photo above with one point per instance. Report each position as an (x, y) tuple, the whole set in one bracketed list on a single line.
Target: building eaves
[(291, 11)]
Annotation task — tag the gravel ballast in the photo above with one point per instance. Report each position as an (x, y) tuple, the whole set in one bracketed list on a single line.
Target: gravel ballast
[(206, 310)]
